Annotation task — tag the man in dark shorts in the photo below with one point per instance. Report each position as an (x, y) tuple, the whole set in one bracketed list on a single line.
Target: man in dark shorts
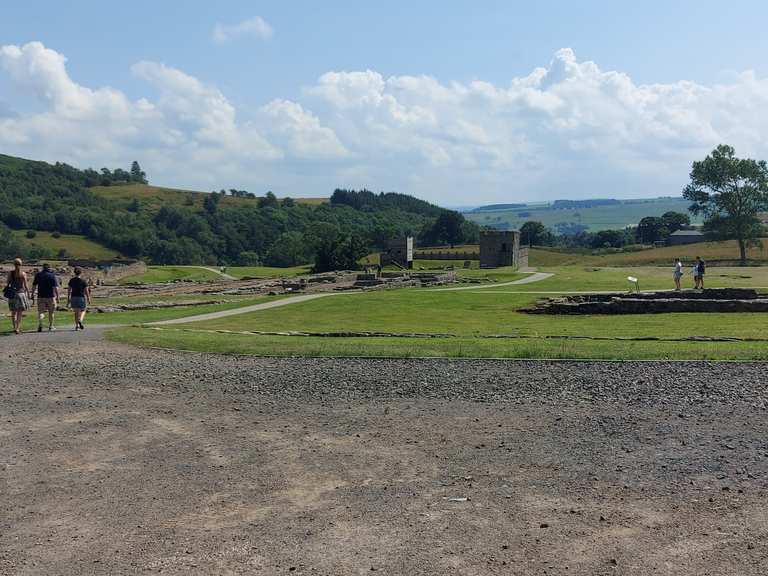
[(47, 287)]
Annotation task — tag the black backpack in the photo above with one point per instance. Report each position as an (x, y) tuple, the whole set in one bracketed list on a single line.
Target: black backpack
[(702, 268), (9, 292)]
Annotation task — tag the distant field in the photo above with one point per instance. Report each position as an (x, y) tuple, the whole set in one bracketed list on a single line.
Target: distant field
[(76, 246), (152, 198), (617, 216), (651, 257)]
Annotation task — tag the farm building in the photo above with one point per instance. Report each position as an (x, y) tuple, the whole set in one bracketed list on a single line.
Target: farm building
[(685, 237)]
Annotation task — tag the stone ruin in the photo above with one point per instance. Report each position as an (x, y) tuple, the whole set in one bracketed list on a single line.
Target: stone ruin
[(709, 300), (500, 248), (399, 251)]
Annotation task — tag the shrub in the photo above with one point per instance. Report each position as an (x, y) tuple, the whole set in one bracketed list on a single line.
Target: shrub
[(56, 235), (31, 234)]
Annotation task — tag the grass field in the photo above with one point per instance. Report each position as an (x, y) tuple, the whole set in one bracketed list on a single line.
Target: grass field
[(449, 348), (473, 315), (614, 216), (75, 246), (157, 274), (152, 198)]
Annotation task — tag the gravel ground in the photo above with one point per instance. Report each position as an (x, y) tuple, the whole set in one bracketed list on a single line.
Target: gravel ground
[(115, 460)]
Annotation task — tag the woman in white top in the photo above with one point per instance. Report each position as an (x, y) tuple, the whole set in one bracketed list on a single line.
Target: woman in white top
[(678, 273)]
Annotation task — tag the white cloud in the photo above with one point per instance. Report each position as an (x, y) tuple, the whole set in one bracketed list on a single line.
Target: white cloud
[(569, 129), (301, 131), (256, 26)]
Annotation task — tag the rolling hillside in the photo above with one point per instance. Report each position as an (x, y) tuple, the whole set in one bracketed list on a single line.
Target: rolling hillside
[(152, 198), (619, 215), (73, 245), (119, 211)]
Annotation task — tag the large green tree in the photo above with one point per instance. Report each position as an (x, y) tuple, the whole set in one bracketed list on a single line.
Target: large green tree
[(674, 221), (533, 232), (730, 192), (651, 229)]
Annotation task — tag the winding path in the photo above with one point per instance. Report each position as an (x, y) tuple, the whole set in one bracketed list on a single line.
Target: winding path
[(247, 309), (214, 270), (535, 277)]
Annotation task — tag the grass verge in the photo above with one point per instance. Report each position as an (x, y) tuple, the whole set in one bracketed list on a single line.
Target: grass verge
[(282, 346)]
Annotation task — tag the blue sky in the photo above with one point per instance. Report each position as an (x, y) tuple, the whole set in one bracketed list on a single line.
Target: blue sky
[(457, 102)]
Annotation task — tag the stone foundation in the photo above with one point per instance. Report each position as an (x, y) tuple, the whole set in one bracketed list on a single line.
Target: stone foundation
[(713, 300)]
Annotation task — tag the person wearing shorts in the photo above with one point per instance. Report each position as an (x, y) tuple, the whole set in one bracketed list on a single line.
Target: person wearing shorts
[(677, 273), (78, 298), (19, 301), (700, 269), (47, 286)]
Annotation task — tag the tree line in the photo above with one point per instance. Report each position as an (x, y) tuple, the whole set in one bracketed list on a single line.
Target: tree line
[(270, 231)]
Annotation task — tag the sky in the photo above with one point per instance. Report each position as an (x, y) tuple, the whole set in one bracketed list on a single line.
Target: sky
[(459, 103)]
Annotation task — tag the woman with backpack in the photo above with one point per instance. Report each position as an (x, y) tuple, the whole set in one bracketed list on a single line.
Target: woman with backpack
[(17, 292)]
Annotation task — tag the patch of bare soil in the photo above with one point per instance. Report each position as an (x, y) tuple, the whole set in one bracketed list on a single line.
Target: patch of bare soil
[(115, 460)]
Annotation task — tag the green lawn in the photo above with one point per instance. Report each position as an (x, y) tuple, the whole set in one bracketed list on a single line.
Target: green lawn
[(581, 278), (473, 315), (157, 274), (144, 316)]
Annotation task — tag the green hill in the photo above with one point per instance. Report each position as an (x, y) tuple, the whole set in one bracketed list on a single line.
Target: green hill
[(118, 210), (595, 215)]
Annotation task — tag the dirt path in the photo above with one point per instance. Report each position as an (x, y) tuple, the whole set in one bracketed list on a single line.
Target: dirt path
[(117, 461)]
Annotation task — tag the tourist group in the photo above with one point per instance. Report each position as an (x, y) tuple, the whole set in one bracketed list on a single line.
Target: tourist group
[(45, 288)]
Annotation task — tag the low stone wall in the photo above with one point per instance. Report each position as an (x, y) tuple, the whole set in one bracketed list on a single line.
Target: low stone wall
[(716, 300), (440, 255)]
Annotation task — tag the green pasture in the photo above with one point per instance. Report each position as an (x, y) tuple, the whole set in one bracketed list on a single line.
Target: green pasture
[(613, 216), (74, 245)]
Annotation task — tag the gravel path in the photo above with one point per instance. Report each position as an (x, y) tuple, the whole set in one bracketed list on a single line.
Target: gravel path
[(246, 309), (115, 460), (535, 277)]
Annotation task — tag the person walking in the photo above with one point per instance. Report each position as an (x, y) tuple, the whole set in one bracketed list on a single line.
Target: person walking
[(677, 273), (47, 286), (701, 268), (78, 298), (17, 292)]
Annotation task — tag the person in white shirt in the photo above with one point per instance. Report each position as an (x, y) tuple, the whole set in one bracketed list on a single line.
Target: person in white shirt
[(678, 273)]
